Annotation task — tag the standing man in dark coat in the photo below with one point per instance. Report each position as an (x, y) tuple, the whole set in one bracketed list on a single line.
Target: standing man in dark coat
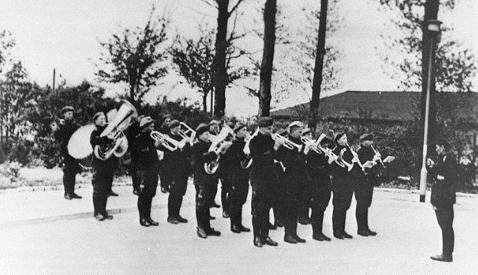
[(205, 183), (342, 185), (263, 180), (320, 191), (146, 158), (71, 166), (131, 132), (366, 180), (103, 170), (177, 168), (296, 180), (214, 130), (165, 181), (443, 196), (238, 176)]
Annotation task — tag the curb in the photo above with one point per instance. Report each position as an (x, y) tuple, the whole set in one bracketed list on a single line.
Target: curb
[(81, 215)]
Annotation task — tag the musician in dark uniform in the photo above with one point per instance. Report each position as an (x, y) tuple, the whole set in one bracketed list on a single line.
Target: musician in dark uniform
[(176, 167), (214, 130), (103, 170), (443, 196), (320, 189), (296, 180), (304, 210), (226, 183), (165, 181), (342, 186), (205, 183), (131, 132), (238, 176), (146, 158), (263, 180), (365, 182), (71, 166), (279, 194)]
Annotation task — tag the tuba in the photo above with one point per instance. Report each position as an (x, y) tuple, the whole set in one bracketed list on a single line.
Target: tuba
[(119, 144), (225, 134)]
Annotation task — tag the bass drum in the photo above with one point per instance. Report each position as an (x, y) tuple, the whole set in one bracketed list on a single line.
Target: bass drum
[(79, 145)]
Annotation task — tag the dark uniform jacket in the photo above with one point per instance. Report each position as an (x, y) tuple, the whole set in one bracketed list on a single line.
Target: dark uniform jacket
[(200, 156), (177, 161), (294, 162), (64, 134), (443, 192), (366, 154), (232, 160), (263, 168), (318, 168), (144, 152)]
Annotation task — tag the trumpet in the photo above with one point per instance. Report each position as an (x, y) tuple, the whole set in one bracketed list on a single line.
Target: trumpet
[(287, 143), (247, 151), (216, 147), (165, 140), (314, 144)]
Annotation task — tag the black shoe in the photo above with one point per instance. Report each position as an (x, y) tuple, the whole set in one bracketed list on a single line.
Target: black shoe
[(153, 222), (270, 242), (347, 235), (181, 219), (236, 229), (363, 233), (299, 239), (173, 220), (107, 216), (320, 237), (99, 217), (371, 233), (211, 217), (213, 232), (111, 193), (442, 258), (68, 197), (278, 223), (215, 205), (338, 235), (75, 196), (201, 233), (164, 190), (272, 226), (225, 214), (290, 239), (304, 221), (136, 192), (258, 242), (144, 222), (244, 229)]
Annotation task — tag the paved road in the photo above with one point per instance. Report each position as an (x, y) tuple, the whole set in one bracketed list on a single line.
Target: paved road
[(408, 235)]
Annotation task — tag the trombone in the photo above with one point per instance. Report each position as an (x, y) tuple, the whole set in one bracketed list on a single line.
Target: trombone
[(287, 143), (165, 140)]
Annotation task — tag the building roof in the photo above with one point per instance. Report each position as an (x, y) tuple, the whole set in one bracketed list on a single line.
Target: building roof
[(387, 106)]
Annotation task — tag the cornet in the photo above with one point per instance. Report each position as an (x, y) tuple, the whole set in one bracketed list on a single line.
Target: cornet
[(165, 140), (287, 143), (247, 151)]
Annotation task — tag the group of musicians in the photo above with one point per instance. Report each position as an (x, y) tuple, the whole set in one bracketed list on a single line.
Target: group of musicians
[(290, 171)]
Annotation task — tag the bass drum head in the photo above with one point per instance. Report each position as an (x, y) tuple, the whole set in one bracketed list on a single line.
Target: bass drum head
[(86, 162), (79, 145)]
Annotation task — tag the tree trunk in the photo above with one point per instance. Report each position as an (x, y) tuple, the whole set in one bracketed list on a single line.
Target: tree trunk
[(220, 70), (270, 11), (431, 12), (204, 102), (319, 64)]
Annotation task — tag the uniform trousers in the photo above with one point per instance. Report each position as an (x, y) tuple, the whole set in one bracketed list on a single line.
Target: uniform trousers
[(320, 200), (204, 195), (262, 201), (102, 181), (293, 200), (363, 196), (69, 174), (237, 198), (148, 184), (177, 189), (445, 216), (343, 192)]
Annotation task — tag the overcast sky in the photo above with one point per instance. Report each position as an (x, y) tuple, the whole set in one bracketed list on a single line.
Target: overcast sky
[(63, 35)]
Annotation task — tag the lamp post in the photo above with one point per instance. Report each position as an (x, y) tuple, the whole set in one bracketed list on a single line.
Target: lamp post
[(433, 27)]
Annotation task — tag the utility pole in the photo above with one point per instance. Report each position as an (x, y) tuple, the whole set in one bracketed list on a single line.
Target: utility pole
[(54, 74)]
